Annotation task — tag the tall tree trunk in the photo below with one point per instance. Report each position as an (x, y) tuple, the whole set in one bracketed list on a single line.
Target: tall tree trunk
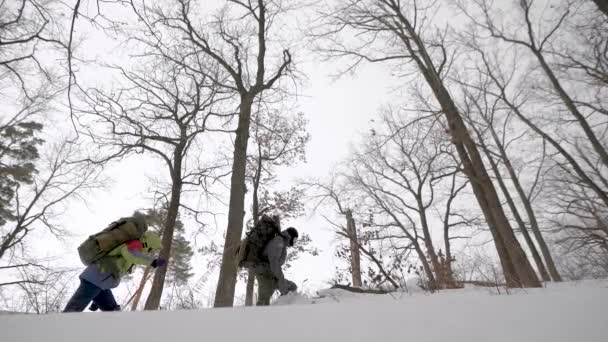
[(520, 222), (224, 295), (515, 263), (428, 243), (544, 249), (140, 288), (428, 270), (355, 256), (249, 290), (375, 260), (602, 195), (582, 120), (446, 231), (516, 266), (602, 5), (156, 292)]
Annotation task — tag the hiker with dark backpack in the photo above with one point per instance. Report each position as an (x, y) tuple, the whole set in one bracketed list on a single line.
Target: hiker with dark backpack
[(109, 255), (264, 251)]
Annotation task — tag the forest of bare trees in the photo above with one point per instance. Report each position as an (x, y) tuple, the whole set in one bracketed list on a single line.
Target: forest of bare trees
[(488, 163)]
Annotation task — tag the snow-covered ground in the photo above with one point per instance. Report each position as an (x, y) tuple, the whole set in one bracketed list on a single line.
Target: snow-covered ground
[(565, 312)]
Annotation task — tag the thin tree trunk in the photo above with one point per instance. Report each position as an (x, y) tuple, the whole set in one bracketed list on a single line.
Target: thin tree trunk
[(428, 243), (249, 291), (355, 256), (156, 292), (544, 249), (224, 295), (575, 165), (446, 231), (375, 260), (520, 222), (595, 142)]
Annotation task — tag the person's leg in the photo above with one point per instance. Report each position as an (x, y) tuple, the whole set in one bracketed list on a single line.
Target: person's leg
[(105, 301), (82, 297), (266, 287)]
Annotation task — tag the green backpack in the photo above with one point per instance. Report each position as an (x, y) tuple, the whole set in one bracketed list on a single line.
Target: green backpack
[(118, 232), (251, 249)]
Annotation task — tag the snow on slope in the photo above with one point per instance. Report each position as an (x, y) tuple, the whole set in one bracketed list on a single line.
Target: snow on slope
[(566, 312)]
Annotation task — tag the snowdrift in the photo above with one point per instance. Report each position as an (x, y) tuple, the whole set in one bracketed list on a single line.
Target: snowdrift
[(566, 312)]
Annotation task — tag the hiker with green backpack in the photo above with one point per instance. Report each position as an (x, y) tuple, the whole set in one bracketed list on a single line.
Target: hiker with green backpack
[(264, 251), (109, 255)]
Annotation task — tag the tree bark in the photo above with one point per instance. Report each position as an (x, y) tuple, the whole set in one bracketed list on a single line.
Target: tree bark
[(516, 266), (249, 291), (224, 295), (575, 165), (593, 139), (446, 229), (355, 256), (255, 209), (602, 5), (544, 249), (428, 243), (158, 283), (520, 222), (374, 260)]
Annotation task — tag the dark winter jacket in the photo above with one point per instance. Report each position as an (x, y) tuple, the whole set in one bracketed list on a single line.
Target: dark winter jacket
[(274, 254)]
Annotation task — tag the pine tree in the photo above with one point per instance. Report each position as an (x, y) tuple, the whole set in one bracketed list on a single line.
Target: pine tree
[(18, 152), (179, 269)]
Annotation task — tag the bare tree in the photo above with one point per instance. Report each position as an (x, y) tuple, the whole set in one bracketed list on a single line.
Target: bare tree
[(162, 109), (28, 30), (60, 178), (278, 141), (49, 293), (483, 113), (341, 201), (236, 44), (391, 30), (355, 255), (536, 42), (577, 178), (400, 169)]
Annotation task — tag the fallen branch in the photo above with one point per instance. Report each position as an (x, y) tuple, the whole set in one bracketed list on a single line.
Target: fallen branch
[(482, 283), (358, 289)]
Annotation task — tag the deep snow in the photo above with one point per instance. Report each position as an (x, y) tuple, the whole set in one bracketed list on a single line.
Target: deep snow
[(565, 312)]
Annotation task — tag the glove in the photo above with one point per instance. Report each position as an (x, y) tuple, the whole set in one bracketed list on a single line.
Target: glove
[(291, 287), (286, 286), (159, 262)]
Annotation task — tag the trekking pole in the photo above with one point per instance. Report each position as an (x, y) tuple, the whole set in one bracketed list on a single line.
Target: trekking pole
[(137, 293)]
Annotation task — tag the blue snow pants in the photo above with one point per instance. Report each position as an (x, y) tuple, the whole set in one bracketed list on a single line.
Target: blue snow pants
[(87, 292)]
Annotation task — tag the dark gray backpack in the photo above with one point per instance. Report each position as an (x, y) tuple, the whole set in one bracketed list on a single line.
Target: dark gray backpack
[(251, 249)]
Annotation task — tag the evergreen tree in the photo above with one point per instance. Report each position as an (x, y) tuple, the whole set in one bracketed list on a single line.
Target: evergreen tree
[(179, 269), (18, 152)]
